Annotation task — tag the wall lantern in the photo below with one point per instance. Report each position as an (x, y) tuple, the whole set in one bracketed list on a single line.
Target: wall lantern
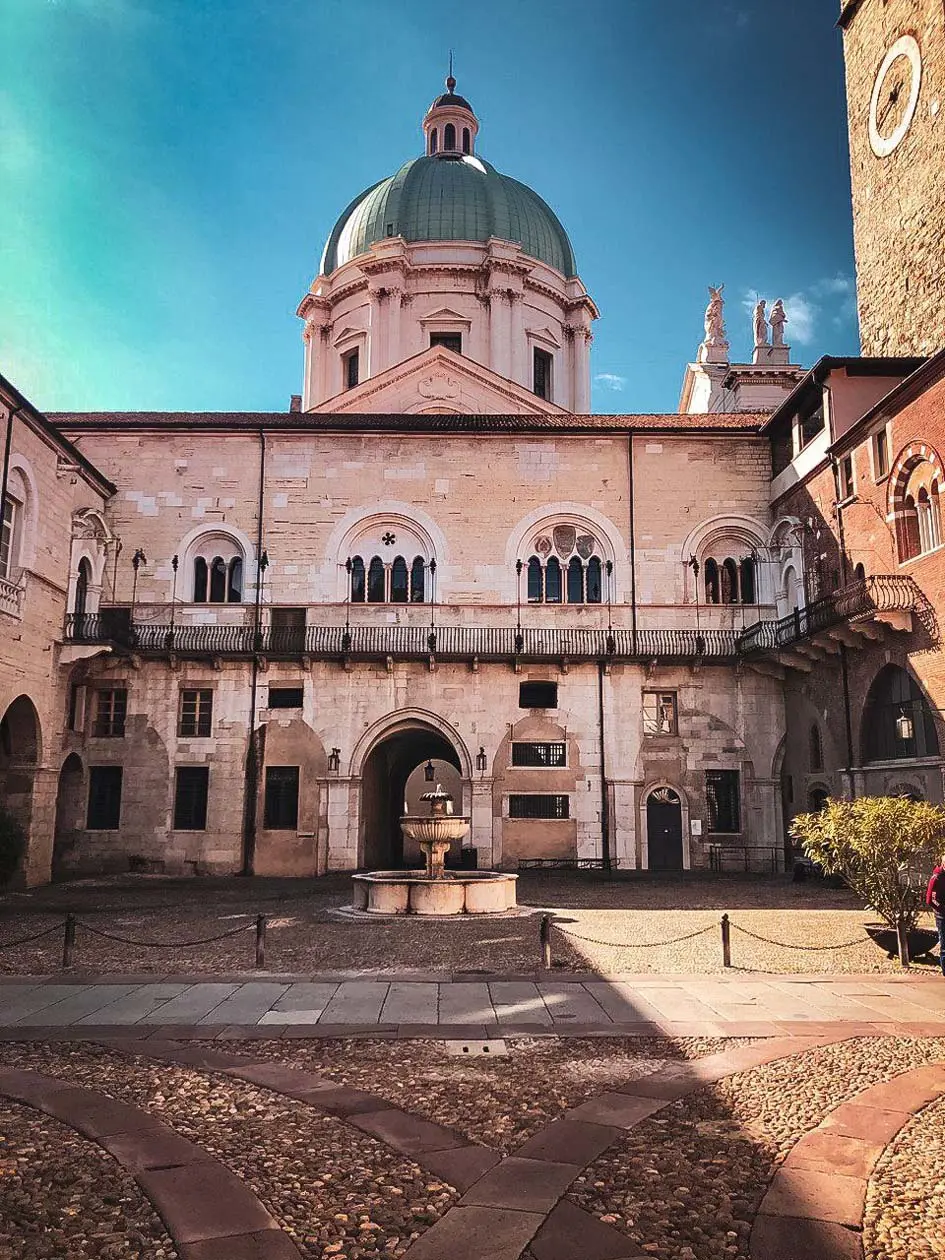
[(904, 728), (334, 760), (429, 772), (481, 762)]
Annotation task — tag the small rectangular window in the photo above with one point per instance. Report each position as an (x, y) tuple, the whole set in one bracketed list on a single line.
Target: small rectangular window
[(722, 797), (110, 709), (539, 805), (281, 809), (531, 754), (541, 373), (285, 697), (104, 805), (351, 366), (846, 477), (449, 341), (659, 713), (195, 720), (190, 798), (811, 424), (538, 695), (881, 454)]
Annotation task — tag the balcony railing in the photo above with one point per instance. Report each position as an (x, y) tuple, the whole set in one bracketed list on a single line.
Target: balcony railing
[(855, 602), (11, 597), (114, 627)]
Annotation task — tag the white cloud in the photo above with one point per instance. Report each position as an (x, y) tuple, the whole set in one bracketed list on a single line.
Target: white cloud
[(610, 381), (802, 316), (833, 286)]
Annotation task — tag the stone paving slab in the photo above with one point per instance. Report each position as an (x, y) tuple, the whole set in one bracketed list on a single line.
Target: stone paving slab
[(357, 1002), (569, 1232), (527, 1185), (194, 1003), (476, 1233), (462, 1003)]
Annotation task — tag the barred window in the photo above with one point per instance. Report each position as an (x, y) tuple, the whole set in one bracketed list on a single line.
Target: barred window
[(539, 805), (104, 804), (659, 713), (538, 754), (190, 798), (196, 714), (281, 809), (110, 710), (722, 797)]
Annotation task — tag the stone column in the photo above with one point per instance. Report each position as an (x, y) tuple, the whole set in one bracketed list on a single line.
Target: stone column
[(517, 367), (481, 833), (321, 375), (499, 332), (374, 349), (37, 861), (308, 368), (394, 350), (582, 370)]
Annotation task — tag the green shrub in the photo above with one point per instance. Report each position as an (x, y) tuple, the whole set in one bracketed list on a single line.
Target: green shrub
[(12, 845), (883, 846)]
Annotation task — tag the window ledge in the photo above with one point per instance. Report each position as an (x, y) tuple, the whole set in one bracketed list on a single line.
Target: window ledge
[(903, 564)]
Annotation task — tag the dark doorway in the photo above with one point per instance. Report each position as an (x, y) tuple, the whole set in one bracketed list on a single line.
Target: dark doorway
[(69, 818), (20, 755), (387, 768), (664, 830)]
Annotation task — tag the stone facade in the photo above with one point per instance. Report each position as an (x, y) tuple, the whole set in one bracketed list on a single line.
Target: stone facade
[(898, 208)]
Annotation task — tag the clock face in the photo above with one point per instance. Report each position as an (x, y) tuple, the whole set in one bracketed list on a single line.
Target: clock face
[(895, 95)]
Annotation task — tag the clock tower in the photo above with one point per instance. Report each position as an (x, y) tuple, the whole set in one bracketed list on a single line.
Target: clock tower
[(894, 52)]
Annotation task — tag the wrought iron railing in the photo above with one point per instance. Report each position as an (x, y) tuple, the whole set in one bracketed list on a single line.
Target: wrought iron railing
[(116, 627), (859, 600)]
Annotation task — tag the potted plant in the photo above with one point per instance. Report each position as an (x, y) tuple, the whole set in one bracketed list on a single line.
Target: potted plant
[(884, 848)]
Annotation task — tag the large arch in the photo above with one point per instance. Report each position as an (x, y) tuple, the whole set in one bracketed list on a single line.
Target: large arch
[(69, 822), (21, 753), (384, 759), (897, 722)]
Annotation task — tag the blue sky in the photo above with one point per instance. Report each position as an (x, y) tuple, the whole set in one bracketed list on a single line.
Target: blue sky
[(170, 169)]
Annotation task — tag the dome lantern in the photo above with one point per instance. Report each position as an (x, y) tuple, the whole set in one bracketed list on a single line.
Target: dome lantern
[(450, 126)]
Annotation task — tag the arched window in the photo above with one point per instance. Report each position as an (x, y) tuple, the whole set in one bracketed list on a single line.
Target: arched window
[(416, 580), (83, 579), (466, 141), (594, 583), (747, 575), (728, 581), (817, 800), (234, 587), (433, 140), (553, 581), (910, 536), (398, 581), (935, 511), (711, 582), (859, 573), (816, 749), (575, 581), (218, 580), (200, 580), (449, 137), (536, 585), (375, 581), (898, 723), (357, 580)]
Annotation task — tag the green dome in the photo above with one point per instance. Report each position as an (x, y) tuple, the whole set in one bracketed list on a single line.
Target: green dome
[(449, 199)]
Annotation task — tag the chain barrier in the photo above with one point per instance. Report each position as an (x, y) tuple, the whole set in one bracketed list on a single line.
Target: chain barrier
[(35, 936), (633, 944), (809, 949), (129, 940)]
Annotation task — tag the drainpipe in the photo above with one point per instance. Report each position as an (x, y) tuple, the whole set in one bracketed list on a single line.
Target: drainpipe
[(604, 799), (633, 550), (844, 663), (251, 793)]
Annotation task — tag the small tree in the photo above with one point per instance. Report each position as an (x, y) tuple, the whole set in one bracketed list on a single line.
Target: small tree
[(12, 844), (883, 847)]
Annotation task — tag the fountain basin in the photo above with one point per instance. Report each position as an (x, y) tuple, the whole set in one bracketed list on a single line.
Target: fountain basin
[(408, 892)]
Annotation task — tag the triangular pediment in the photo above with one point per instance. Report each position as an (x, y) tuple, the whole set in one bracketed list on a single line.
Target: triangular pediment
[(345, 333), (438, 380), (545, 334), (444, 315)]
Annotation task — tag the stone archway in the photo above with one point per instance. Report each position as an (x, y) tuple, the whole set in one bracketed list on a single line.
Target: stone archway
[(387, 765), (20, 756), (68, 817)]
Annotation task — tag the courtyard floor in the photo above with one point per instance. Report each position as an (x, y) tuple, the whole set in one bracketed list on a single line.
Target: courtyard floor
[(431, 1094), (604, 926)]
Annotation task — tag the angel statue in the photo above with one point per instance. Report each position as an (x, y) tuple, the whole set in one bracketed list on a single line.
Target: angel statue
[(714, 320), (777, 319), (761, 325)]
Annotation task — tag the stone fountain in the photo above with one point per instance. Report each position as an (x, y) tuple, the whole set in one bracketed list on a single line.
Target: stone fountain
[(435, 890)]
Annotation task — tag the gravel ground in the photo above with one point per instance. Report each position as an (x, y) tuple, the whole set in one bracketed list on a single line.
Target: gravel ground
[(497, 1101), (306, 936), (905, 1202), (336, 1191), (63, 1198), (687, 1183)]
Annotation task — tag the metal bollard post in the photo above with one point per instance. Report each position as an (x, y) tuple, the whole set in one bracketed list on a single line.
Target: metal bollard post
[(545, 938), (726, 942), (260, 942), (68, 943)]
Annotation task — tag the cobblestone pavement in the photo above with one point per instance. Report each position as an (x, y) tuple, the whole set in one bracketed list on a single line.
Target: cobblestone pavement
[(603, 926), (812, 1148)]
